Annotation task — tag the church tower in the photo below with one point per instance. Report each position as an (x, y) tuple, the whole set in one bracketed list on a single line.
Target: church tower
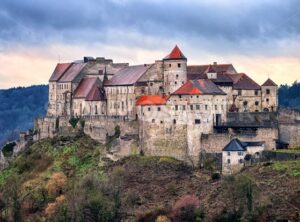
[(175, 70)]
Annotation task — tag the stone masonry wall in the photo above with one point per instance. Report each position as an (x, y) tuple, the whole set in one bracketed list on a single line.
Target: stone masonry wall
[(289, 127)]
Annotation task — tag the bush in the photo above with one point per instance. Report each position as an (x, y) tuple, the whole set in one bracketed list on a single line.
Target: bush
[(187, 208), (8, 149), (73, 121), (215, 176), (56, 184)]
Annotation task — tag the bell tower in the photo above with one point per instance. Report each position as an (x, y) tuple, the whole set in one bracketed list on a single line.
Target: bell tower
[(175, 70)]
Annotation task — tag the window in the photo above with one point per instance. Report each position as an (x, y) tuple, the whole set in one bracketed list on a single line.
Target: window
[(161, 122), (176, 107), (179, 96), (178, 65), (197, 121), (183, 107), (158, 108), (191, 107), (268, 91), (245, 103), (153, 120), (222, 107), (175, 83), (228, 161), (216, 107), (149, 109), (206, 107), (256, 103), (197, 107), (96, 110), (151, 83), (228, 153), (239, 92), (267, 100), (256, 92), (177, 76), (241, 161), (170, 65), (240, 153), (174, 121)]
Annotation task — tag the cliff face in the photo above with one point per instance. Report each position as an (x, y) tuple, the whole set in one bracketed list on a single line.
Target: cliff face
[(71, 179)]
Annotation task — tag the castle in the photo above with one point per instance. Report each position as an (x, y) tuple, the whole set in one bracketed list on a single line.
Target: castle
[(165, 108)]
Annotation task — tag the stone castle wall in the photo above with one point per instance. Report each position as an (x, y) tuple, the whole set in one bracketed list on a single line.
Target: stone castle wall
[(289, 127)]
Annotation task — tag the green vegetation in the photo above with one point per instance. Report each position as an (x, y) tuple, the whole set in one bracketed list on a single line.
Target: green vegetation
[(293, 151), (73, 121), (8, 149), (291, 167)]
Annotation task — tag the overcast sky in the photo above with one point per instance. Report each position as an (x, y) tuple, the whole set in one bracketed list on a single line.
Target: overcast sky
[(259, 37)]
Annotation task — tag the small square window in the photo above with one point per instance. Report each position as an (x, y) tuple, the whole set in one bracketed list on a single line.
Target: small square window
[(268, 91), (256, 92), (191, 107), (197, 107), (197, 121), (178, 65), (256, 103), (158, 108)]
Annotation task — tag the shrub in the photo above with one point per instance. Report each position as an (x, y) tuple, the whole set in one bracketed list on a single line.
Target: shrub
[(56, 183), (73, 121), (215, 176), (57, 211), (8, 149), (162, 218), (187, 208)]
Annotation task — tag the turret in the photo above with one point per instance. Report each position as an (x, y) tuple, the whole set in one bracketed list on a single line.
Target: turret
[(175, 70), (269, 96)]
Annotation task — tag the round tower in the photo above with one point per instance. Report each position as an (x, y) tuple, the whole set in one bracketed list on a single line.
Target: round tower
[(269, 96), (175, 70)]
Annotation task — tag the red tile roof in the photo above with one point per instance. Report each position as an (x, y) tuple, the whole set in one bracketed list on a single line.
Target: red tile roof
[(96, 94), (85, 87), (59, 71), (151, 100), (71, 73), (199, 87), (269, 82), (127, 76), (175, 54), (243, 82), (199, 71)]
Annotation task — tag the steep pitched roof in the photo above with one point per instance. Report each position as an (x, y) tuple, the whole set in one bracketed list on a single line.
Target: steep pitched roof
[(235, 145), (269, 82), (97, 93), (71, 73), (199, 87), (199, 71), (175, 54), (242, 81), (85, 87), (151, 100), (59, 71), (127, 76)]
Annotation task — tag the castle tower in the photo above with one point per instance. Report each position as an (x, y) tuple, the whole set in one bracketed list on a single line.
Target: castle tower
[(175, 70), (269, 96)]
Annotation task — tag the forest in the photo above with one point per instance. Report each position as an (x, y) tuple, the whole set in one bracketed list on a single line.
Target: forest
[(19, 106)]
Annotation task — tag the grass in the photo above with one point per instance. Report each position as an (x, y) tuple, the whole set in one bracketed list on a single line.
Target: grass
[(293, 151), (291, 167)]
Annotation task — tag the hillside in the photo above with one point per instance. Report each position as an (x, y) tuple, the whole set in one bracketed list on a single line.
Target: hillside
[(70, 179), (19, 106)]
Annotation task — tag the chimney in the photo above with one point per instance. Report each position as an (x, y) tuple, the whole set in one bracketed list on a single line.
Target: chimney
[(215, 63)]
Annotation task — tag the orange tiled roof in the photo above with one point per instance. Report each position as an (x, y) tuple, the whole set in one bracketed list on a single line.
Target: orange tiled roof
[(175, 54), (151, 100), (199, 87)]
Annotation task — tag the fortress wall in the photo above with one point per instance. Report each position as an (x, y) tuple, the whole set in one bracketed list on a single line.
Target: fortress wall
[(214, 143), (289, 127)]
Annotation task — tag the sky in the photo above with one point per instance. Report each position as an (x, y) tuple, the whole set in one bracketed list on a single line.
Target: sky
[(259, 37)]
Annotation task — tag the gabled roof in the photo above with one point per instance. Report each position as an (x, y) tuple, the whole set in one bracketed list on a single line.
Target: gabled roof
[(85, 87), (59, 71), (243, 82), (176, 54), (200, 71), (96, 94), (71, 73), (199, 87), (151, 100), (269, 82), (235, 145), (127, 76)]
